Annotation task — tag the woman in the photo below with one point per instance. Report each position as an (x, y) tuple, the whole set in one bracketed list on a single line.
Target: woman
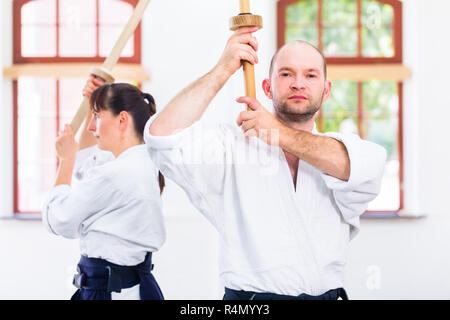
[(115, 206)]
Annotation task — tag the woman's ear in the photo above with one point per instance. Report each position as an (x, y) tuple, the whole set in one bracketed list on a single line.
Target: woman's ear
[(267, 88), (124, 118)]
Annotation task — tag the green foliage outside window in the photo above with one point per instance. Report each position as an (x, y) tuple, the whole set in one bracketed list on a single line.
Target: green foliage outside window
[(380, 100), (340, 27), (340, 34), (379, 115), (378, 119), (301, 22), (370, 108), (377, 36)]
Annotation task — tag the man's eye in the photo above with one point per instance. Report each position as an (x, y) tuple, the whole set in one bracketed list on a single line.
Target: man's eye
[(285, 74), (312, 76)]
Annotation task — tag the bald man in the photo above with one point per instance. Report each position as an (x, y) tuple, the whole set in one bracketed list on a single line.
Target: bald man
[(284, 198)]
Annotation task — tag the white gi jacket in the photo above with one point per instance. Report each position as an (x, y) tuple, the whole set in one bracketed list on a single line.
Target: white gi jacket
[(272, 238), (114, 207)]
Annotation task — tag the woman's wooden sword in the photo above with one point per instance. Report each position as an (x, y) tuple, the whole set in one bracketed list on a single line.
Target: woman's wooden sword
[(104, 72)]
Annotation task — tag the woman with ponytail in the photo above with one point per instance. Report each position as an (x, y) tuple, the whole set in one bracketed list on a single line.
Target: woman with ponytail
[(114, 204)]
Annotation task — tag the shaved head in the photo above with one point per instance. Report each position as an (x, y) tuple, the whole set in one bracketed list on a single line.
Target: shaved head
[(297, 82), (298, 42)]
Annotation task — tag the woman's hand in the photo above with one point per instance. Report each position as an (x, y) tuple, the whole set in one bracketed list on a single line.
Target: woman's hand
[(91, 85), (66, 146)]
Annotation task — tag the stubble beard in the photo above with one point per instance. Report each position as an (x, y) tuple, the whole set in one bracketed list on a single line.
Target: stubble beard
[(288, 114)]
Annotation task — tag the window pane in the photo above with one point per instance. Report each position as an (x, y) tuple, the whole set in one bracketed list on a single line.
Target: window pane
[(376, 14), (309, 34), (339, 13), (343, 99), (77, 42), (340, 124), (301, 22), (70, 98), (38, 28), (38, 41), (381, 110), (39, 12), (78, 28), (109, 36), (381, 104), (377, 32), (36, 140), (385, 132), (115, 12), (302, 12), (340, 35), (380, 98), (340, 42), (114, 15), (377, 42)]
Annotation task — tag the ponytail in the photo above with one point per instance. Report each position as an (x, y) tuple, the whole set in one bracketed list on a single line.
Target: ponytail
[(150, 101)]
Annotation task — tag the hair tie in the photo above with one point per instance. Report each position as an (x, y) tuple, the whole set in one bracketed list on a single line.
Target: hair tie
[(149, 98)]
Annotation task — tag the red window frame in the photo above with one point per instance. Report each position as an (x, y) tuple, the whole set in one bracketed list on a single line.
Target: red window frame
[(19, 59), (359, 59), (17, 39), (397, 26)]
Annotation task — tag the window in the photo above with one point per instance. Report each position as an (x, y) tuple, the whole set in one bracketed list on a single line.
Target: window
[(72, 30), (62, 32), (357, 35)]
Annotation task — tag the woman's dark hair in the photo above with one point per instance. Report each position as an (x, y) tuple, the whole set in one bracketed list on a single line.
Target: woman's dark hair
[(118, 97)]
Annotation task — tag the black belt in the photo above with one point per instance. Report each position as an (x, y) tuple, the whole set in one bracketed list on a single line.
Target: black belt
[(333, 294), (99, 274)]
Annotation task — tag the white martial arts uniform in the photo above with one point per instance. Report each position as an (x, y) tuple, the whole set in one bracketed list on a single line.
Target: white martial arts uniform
[(114, 207), (273, 238)]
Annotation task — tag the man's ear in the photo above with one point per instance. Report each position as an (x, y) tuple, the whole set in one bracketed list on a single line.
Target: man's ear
[(267, 88), (327, 90)]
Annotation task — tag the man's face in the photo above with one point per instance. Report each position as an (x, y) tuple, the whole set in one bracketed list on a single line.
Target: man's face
[(297, 85)]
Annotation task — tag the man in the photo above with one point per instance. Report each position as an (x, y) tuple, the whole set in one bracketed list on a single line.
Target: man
[(284, 218)]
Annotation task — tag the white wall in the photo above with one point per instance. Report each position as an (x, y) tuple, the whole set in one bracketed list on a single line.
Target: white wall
[(6, 128), (176, 55), (411, 258), (426, 106), (390, 259), (400, 259)]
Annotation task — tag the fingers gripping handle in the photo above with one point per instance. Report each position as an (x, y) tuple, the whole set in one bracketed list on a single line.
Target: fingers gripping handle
[(83, 110), (246, 19), (111, 60)]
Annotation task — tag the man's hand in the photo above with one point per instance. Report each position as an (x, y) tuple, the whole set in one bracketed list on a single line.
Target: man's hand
[(91, 85), (259, 122), (66, 146), (198, 95), (241, 46)]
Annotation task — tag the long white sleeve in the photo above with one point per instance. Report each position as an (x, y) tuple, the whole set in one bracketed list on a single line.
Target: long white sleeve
[(65, 208), (196, 159), (367, 161), (115, 208)]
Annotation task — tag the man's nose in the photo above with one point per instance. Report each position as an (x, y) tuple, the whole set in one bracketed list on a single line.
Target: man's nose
[(298, 83)]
